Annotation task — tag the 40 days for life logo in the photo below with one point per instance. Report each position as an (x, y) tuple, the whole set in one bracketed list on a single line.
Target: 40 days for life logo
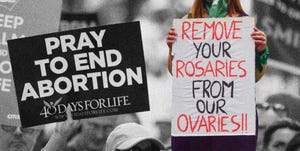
[(93, 106), (51, 108)]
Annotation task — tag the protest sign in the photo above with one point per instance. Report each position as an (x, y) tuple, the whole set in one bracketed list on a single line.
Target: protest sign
[(19, 18), (97, 71), (71, 21), (213, 77), (280, 20)]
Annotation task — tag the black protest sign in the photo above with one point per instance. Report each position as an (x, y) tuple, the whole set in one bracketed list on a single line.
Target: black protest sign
[(97, 71)]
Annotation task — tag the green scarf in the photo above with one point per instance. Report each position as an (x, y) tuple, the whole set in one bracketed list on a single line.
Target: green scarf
[(217, 8)]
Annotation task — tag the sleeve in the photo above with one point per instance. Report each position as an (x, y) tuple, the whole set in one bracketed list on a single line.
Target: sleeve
[(261, 59)]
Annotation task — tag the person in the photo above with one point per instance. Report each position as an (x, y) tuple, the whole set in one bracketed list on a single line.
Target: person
[(267, 114), (278, 135), (127, 118), (294, 144), (209, 9), (85, 135), (132, 137), (276, 106), (164, 126), (138, 136), (91, 134), (16, 138), (286, 104), (225, 8)]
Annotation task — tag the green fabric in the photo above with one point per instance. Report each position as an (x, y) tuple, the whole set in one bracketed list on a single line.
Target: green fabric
[(217, 8), (209, 1), (261, 58)]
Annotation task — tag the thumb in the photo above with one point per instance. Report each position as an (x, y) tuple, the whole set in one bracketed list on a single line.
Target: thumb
[(69, 114)]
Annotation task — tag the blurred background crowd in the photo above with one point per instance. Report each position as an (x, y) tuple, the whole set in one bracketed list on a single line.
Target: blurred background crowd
[(277, 93)]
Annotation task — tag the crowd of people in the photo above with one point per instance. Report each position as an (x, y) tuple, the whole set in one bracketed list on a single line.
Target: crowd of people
[(278, 122), (278, 130)]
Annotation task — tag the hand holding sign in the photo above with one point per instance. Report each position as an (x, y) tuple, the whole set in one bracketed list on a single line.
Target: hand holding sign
[(171, 38), (63, 131), (260, 39), (68, 127)]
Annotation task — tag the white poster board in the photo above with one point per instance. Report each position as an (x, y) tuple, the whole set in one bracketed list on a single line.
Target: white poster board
[(213, 77)]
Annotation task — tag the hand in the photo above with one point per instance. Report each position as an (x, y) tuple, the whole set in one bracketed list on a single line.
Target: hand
[(260, 39), (68, 127), (171, 38), (63, 131)]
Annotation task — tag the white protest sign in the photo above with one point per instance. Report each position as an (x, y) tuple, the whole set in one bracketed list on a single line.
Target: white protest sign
[(213, 77)]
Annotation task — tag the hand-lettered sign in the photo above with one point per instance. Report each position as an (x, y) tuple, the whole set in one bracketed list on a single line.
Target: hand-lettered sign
[(213, 77), (98, 71)]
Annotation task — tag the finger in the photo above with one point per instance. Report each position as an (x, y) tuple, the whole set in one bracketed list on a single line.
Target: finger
[(173, 33), (172, 29), (255, 33), (259, 38), (170, 42), (76, 123), (259, 42), (171, 38), (258, 33), (69, 114)]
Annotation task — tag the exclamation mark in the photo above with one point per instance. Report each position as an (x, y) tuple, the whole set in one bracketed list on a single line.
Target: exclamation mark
[(246, 123), (243, 123)]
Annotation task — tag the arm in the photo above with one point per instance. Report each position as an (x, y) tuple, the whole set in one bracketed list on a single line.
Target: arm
[(63, 131), (56, 142), (171, 38), (261, 63), (262, 53), (170, 58)]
